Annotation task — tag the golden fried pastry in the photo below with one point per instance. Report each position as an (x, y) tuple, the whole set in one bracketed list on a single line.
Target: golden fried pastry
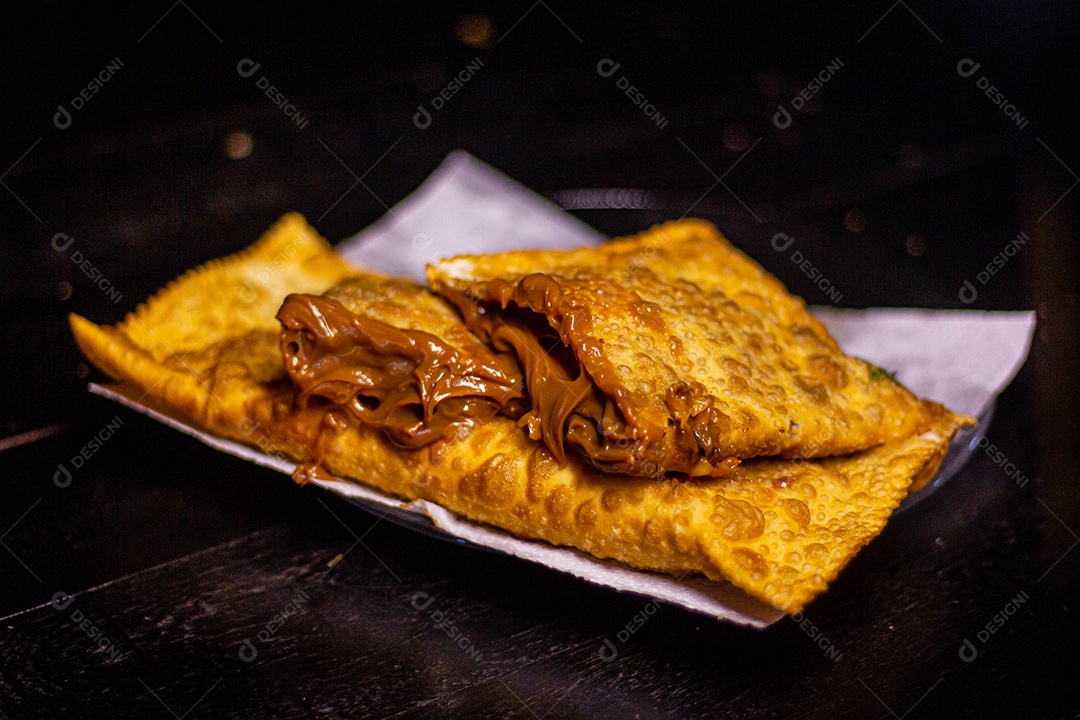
[(671, 351), (779, 529)]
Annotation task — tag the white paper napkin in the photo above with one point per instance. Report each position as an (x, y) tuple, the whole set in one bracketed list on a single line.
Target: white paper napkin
[(465, 206), (961, 358)]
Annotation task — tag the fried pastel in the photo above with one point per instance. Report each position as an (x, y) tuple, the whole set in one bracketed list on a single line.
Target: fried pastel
[(780, 530), (706, 358)]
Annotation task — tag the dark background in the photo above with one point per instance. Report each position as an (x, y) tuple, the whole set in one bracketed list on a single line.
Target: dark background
[(901, 181)]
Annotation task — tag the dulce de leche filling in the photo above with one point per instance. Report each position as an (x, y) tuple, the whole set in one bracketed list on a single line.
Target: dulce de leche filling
[(409, 383), (567, 407), (417, 387)]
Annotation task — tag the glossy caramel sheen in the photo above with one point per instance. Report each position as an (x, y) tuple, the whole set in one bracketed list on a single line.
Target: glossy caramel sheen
[(412, 384)]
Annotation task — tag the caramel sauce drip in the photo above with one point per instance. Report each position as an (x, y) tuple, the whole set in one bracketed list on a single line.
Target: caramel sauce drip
[(332, 424)]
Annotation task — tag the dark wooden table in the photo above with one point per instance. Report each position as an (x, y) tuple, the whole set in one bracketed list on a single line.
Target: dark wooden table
[(165, 579)]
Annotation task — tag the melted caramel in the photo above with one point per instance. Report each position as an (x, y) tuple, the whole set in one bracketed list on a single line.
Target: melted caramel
[(567, 407), (409, 383), (418, 388)]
